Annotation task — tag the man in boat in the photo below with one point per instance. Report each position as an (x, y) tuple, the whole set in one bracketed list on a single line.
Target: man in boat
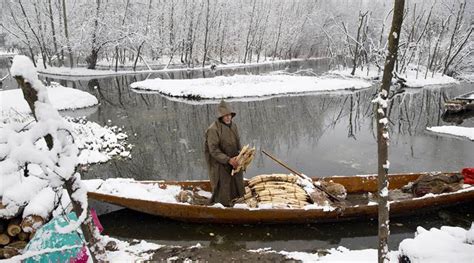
[(221, 149)]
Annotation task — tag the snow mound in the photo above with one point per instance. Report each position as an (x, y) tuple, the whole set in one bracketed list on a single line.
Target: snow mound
[(240, 86), (98, 144), (447, 244), (466, 132), (62, 98)]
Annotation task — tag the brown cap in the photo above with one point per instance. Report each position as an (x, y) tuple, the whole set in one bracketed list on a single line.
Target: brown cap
[(224, 109)]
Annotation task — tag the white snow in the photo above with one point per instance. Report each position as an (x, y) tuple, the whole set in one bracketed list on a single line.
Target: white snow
[(62, 98), (239, 86), (22, 66), (467, 132), (130, 188), (98, 144), (383, 121), (340, 254), (447, 244), (19, 191), (412, 80), (382, 102), (41, 204)]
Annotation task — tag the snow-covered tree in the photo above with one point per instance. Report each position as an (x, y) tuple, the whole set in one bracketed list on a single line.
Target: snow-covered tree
[(47, 148)]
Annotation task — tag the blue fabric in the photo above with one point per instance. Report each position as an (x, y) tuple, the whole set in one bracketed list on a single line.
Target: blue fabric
[(47, 237)]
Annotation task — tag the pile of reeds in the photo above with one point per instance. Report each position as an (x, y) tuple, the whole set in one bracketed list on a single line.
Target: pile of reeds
[(276, 191)]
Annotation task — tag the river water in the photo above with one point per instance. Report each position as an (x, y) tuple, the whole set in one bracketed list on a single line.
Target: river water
[(317, 134)]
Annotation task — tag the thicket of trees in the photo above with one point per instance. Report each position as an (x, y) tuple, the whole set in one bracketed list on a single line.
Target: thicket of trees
[(436, 34)]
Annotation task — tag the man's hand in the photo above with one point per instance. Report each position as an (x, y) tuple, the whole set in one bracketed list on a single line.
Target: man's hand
[(233, 162)]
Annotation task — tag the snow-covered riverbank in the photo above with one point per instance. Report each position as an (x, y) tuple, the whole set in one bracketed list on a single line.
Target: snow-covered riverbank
[(62, 98), (96, 143), (414, 78), (462, 132), (82, 72)]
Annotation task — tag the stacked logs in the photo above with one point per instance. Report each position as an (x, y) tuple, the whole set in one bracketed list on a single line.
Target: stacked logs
[(275, 191), (16, 232)]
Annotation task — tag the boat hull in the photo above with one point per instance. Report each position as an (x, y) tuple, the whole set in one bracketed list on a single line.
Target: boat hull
[(354, 184)]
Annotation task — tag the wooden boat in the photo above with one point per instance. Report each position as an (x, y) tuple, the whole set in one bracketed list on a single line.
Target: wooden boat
[(461, 103), (355, 185)]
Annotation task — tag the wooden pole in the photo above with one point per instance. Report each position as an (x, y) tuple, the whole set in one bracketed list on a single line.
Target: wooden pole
[(382, 131)]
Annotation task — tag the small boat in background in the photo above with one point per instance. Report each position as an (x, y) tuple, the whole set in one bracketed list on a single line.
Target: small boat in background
[(159, 198), (460, 103)]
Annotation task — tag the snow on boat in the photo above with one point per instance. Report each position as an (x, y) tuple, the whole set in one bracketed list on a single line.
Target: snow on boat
[(159, 198)]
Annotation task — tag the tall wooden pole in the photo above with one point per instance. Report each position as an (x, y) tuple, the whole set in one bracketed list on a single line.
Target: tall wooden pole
[(382, 130)]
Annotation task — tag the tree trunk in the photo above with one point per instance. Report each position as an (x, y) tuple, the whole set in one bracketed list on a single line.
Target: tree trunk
[(53, 30), (356, 51), (66, 34), (88, 228), (247, 41), (457, 25), (206, 34), (91, 60), (382, 131)]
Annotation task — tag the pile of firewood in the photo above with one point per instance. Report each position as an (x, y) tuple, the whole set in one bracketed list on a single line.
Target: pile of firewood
[(244, 159), (16, 232)]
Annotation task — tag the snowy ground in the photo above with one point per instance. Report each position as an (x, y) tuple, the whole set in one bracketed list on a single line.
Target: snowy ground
[(241, 86), (413, 78), (463, 132), (447, 244)]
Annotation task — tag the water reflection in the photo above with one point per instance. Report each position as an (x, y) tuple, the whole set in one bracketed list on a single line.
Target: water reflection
[(6, 82), (318, 134)]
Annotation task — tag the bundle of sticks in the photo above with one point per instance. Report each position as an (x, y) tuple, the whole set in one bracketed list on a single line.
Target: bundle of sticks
[(244, 158)]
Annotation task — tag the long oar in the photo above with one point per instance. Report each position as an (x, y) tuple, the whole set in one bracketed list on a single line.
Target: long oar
[(331, 196)]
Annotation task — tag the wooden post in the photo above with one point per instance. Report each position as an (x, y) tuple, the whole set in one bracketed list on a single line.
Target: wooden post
[(382, 131)]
